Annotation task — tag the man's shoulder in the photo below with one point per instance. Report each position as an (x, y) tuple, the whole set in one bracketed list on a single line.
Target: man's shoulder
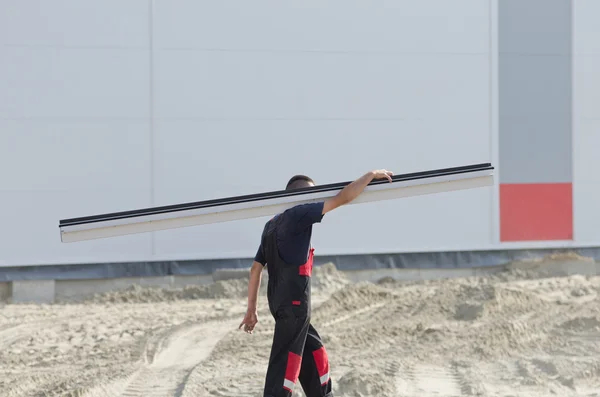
[(293, 214), (302, 209)]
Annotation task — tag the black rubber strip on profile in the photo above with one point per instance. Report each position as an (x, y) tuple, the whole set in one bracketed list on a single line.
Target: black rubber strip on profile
[(268, 195)]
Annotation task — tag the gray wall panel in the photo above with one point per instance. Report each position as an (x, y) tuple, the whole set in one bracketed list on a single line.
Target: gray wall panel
[(534, 26), (535, 90), (535, 86), (534, 150)]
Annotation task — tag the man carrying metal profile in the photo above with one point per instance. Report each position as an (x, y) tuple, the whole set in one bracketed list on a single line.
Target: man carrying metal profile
[(285, 248)]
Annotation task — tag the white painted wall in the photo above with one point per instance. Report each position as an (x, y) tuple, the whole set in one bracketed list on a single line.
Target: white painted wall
[(74, 123), (168, 101), (586, 121)]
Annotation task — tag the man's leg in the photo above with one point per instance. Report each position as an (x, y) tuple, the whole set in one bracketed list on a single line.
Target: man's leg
[(314, 373), (286, 353)]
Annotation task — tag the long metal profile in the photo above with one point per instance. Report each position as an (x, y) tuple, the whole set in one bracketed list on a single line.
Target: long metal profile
[(269, 203)]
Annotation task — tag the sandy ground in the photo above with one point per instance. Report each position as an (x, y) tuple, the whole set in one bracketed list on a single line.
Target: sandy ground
[(517, 333)]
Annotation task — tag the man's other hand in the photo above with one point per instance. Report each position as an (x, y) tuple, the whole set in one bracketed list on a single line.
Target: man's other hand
[(250, 321)]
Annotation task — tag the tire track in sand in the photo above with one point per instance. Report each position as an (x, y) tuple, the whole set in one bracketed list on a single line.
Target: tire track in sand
[(427, 380), (11, 334), (166, 371)]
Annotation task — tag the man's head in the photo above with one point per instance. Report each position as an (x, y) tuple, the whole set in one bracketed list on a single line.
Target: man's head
[(299, 181)]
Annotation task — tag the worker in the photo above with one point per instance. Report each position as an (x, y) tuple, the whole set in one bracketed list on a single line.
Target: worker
[(297, 352)]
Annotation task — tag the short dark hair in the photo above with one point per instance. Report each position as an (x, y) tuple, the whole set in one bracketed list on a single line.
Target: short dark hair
[(298, 181)]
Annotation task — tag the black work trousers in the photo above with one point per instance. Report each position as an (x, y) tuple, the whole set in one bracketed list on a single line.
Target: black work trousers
[(297, 354)]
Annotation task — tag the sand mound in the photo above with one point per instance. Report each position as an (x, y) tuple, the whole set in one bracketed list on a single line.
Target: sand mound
[(582, 324), (553, 265), (354, 297), (361, 384), (229, 286), (328, 278), (468, 300), (554, 257), (508, 335), (230, 289), (469, 311)]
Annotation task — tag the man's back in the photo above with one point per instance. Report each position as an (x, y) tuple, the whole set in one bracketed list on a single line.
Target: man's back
[(293, 230)]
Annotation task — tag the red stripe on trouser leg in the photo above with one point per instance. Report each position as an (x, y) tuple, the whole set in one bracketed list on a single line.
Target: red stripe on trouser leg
[(306, 269), (292, 370), (322, 364)]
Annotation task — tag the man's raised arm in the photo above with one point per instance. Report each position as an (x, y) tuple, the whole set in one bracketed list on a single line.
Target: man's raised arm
[(354, 189)]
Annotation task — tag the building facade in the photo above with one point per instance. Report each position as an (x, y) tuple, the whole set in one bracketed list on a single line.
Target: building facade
[(116, 105)]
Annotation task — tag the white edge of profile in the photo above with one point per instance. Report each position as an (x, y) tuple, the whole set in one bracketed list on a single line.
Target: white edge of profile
[(268, 207)]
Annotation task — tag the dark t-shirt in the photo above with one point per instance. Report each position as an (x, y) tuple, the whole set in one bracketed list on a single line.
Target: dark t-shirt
[(294, 233)]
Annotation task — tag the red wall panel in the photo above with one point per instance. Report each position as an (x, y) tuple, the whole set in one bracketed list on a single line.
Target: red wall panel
[(536, 211)]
